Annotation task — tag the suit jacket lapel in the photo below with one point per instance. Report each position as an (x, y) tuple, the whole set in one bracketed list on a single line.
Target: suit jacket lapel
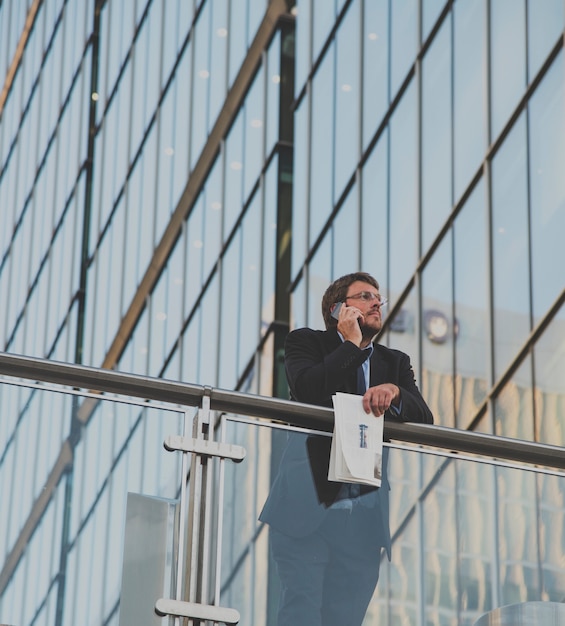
[(379, 369)]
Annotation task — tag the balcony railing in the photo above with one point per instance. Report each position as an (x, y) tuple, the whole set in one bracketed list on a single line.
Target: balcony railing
[(477, 520)]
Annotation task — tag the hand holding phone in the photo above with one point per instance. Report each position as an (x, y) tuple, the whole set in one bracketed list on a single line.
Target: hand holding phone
[(336, 310)]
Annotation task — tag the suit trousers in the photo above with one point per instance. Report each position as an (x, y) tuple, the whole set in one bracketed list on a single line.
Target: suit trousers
[(328, 577)]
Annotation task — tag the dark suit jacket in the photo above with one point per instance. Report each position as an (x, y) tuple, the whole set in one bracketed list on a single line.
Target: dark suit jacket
[(318, 364)]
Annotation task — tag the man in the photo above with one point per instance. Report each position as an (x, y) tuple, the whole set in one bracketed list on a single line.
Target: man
[(327, 537)]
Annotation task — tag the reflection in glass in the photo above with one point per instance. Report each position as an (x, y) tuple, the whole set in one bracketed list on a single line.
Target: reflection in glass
[(549, 392), (472, 358), (514, 405), (439, 331)]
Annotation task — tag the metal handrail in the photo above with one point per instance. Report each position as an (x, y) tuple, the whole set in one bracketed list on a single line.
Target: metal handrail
[(273, 409)]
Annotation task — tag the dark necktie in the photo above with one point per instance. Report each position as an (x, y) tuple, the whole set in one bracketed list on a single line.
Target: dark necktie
[(361, 386)]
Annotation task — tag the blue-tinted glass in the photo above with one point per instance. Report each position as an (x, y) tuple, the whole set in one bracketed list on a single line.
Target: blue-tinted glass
[(469, 91), (213, 209), (194, 244), (404, 40), (300, 204), (375, 66), (233, 193), (321, 149), (269, 258), (238, 38), (431, 10), (472, 358), (273, 92), (303, 46), (192, 344), (250, 284), (319, 277), (347, 130), (201, 87), (174, 295), (209, 369), (346, 238), (547, 187), (546, 20), (508, 60), (218, 59), (323, 19), (438, 329), (230, 313), (182, 90), (403, 192), (510, 256), (374, 213), (254, 133), (436, 165)]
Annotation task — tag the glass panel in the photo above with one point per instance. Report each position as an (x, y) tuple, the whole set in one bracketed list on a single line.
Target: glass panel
[(469, 91), (347, 89), (200, 103), (514, 405), (467, 537), (549, 359), (403, 192), (73, 491), (431, 10), (319, 278), (437, 138), (439, 330), (374, 214), (321, 148), (510, 247), (545, 25), (300, 204), (472, 354), (547, 156), (345, 230), (404, 40), (508, 60), (375, 66)]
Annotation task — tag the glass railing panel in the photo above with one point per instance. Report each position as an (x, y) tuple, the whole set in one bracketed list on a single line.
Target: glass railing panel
[(67, 463), (468, 536)]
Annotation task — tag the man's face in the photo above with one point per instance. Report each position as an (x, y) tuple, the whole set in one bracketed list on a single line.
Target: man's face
[(357, 297)]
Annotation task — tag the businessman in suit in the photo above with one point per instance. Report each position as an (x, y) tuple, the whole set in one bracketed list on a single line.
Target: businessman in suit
[(327, 537)]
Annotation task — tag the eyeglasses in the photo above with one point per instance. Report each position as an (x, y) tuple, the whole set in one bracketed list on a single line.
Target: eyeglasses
[(368, 296)]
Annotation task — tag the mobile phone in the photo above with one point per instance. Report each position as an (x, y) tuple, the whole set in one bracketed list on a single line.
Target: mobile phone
[(337, 308)]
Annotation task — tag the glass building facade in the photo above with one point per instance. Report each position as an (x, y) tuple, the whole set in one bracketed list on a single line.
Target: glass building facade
[(180, 181)]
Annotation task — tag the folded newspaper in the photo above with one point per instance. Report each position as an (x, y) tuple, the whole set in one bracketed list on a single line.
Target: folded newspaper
[(357, 443)]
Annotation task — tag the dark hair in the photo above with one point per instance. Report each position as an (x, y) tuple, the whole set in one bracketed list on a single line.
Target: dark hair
[(337, 291)]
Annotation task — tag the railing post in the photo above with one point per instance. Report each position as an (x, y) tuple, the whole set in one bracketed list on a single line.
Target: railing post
[(196, 529)]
